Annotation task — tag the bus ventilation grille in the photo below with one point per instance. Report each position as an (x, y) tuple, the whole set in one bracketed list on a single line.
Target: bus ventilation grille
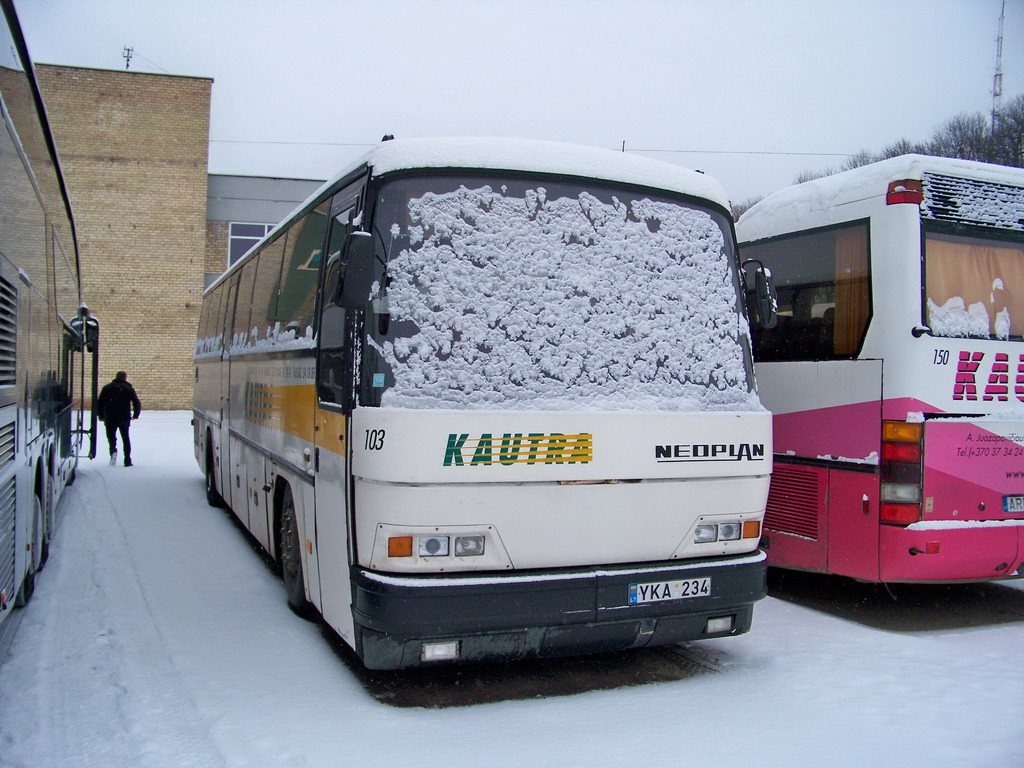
[(969, 201), (8, 330), (6, 446), (7, 512), (793, 502)]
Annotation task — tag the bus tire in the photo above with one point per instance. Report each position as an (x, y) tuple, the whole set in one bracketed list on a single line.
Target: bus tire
[(291, 558), (46, 494), (39, 553), (28, 584), (213, 497), (25, 591)]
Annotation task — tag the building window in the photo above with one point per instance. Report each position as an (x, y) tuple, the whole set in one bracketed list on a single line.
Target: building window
[(242, 237)]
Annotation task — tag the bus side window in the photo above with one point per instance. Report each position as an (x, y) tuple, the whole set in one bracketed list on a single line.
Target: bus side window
[(301, 269), (230, 304), (265, 318), (216, 330), (242, 326), (824, 291), (204, 320)]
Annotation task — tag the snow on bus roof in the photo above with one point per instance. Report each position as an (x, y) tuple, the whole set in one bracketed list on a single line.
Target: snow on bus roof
[(543, 157), (797, 207)]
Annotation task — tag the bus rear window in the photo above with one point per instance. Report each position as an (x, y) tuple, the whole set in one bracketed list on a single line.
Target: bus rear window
[(974, 287)]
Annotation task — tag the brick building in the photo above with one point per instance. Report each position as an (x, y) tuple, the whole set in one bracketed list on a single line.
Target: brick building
[(154, 229), (134, 147)]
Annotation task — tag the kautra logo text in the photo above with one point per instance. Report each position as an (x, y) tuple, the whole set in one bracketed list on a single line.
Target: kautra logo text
[(511, 448), (997, 387)]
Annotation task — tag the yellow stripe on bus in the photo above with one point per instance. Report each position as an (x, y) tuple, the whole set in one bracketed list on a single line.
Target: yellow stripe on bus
[(287, 408)]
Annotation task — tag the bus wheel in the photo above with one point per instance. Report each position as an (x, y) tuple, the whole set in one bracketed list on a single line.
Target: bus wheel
[(291, 558), (48, 522), (28, 584), (38, 532), (213, 498)]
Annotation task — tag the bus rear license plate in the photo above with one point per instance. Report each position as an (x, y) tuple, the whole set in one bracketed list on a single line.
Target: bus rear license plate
[(659, 591), (1013, 504)]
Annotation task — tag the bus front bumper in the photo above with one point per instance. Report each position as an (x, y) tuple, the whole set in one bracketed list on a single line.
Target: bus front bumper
[(408, 621)]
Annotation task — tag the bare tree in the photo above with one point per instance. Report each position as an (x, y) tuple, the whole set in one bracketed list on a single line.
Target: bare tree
[(856, 161), (1008, 138), (967, 136), (964, 136), (903, 147), (738, 209)]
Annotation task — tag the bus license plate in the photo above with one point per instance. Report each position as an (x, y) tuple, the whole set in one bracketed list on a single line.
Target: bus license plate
[(658, 591), (1013, 504)]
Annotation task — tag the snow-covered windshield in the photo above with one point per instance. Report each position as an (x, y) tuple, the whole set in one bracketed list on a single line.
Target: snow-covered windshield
[(516, 294), (974, 286)]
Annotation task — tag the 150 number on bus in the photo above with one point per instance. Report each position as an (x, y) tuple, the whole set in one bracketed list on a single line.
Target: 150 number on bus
[(658, 591)]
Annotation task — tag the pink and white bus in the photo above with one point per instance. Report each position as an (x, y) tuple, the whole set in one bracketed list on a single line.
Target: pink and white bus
[(895, 372)]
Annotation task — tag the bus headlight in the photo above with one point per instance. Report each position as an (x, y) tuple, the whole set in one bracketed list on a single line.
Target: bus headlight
[(469, 546), (433, 546), (729, 531), (705, 534), (708, 533)]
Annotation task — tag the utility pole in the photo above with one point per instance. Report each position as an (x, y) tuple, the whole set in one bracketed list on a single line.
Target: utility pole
[(997, 79), (127, 55)]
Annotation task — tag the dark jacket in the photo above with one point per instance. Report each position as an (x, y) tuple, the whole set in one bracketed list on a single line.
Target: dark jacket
[(118, 402)]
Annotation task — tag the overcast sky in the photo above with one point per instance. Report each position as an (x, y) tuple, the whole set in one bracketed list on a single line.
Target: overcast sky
[(745, 90)]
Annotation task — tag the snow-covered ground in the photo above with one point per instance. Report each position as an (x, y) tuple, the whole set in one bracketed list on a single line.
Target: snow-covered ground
[(157, 637)]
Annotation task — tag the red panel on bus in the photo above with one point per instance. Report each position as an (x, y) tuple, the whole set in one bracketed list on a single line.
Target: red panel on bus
[(794, 521), (853, 524)]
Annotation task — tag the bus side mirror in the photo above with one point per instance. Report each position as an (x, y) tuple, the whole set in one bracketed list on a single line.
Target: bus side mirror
[(358, 279), (87, 333), (764, 289)]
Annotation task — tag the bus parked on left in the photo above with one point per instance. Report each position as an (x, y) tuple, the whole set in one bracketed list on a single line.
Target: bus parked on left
[(48, 340)]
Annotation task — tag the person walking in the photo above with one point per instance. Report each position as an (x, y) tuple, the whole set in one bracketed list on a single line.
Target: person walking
[(116, 407)]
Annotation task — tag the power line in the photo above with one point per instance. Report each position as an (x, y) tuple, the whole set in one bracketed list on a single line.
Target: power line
[(624, 148), (746, 152), (99, 34), (295, 143)]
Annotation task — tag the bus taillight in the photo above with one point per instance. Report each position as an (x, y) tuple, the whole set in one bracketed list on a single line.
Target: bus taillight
[(904, 452), (906, 191), (901, 471)]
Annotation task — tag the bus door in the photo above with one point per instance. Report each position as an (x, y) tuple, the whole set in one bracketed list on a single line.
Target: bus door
[(223, 463), (331, 436)]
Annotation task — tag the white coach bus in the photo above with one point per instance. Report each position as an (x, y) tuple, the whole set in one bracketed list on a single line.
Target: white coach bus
[(491, 399), (47, 368)]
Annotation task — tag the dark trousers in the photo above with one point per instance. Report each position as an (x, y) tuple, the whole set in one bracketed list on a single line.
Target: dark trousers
[(113, 427)]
